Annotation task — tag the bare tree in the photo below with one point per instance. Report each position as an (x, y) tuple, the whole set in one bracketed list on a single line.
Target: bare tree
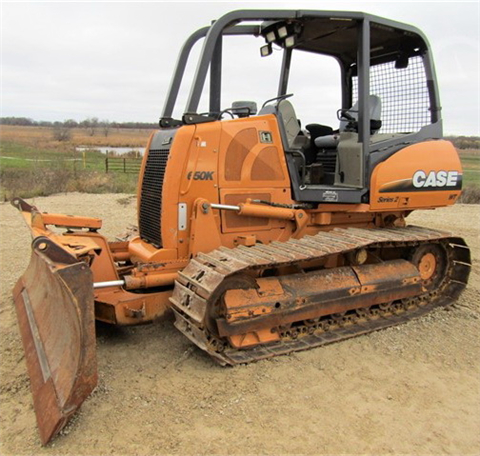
[(62, 131), (90, 124), (105, 127), (71, 123)]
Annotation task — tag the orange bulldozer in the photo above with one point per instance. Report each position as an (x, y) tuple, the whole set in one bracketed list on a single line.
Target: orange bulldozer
[(263, 237)]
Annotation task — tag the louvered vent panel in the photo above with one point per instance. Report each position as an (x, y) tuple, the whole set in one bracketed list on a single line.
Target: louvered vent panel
[(151, 197), (328, 159)]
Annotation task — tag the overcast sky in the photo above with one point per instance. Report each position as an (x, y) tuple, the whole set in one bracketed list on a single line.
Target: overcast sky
[(114, 60)]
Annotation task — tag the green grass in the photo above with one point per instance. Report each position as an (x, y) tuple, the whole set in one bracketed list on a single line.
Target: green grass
[(14, 155), (471, 168), (26, 172), (471, 177)]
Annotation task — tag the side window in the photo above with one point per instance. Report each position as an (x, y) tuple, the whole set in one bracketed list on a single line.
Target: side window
[(404, 95), (315, 81), (246, 76), (187, 82)]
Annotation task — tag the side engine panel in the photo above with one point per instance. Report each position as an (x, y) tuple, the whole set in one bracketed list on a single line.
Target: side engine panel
[(252, 165), (420, 176)]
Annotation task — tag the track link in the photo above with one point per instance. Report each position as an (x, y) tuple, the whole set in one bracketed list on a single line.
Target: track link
[(200, 285)]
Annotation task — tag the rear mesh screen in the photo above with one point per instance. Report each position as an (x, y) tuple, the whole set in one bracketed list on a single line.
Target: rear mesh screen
[(404, 94), (151, 197)]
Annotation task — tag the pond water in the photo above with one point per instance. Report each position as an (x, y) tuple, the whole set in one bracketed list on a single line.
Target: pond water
[(111, 150)]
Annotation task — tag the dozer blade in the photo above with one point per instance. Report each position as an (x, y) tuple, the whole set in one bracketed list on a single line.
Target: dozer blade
[(55, 310)]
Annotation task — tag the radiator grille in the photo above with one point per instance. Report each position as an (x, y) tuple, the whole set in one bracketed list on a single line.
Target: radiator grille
[(151, 197)]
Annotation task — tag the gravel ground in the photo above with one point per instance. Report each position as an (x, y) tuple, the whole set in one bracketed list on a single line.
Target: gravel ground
[(412, 389)]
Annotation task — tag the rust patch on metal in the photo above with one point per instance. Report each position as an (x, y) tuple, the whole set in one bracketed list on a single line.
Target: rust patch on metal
[(54, 304), (320, 307)]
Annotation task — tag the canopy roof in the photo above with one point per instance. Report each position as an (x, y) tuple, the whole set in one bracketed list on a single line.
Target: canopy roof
[(336, 34)]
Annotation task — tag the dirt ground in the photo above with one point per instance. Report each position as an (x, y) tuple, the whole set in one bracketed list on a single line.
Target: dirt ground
[(413, 389)]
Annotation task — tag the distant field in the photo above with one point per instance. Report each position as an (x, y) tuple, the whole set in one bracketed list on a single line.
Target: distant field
[(32, 163), (42, 136), (18, 156), (471, 166)]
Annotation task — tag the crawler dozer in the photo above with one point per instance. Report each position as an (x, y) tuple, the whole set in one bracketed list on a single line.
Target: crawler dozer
[(264, 237)]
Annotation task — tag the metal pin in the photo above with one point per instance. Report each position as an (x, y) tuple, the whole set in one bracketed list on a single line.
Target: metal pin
[(111, 283)]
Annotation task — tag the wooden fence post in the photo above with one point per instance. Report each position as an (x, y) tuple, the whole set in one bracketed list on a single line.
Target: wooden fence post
[(106, 165)]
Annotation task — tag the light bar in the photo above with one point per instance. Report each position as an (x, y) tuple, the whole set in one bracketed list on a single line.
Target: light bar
[(282, 32), (270, 36), (290, 41), (266, 50)]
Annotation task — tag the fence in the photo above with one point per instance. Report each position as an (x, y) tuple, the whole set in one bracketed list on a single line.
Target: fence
[(122, 165), (127, 165)]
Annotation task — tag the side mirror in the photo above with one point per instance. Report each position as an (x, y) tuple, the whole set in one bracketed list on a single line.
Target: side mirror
[(244, 108)]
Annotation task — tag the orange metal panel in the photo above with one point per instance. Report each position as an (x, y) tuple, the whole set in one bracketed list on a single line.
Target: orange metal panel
[(424, 175), (257, 157), (71, 221)]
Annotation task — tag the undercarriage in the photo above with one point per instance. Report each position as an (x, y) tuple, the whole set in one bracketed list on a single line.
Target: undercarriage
[(245, 304)]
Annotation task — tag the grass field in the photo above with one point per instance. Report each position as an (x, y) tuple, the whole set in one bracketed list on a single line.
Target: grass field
[(471, 166), (32, 163), (39, 137)]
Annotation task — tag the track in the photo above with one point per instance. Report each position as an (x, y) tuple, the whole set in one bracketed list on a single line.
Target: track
[(201, 285)]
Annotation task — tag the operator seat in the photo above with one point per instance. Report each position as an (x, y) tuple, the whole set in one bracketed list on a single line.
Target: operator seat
[(375, 105), (290, 125)]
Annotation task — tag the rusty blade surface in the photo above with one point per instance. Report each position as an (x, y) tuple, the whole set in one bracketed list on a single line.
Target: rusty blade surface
[(55, 311)]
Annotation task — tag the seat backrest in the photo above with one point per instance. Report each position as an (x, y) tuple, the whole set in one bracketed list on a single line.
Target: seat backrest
[(290, 121), (288, 118), (375, 106)]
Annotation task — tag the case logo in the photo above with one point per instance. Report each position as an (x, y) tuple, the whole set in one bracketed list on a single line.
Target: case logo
[(435, 179), (421, 181)]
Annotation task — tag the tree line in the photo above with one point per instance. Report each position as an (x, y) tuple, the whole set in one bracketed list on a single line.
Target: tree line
[(89, 123), (62, 130), (464, 142)]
